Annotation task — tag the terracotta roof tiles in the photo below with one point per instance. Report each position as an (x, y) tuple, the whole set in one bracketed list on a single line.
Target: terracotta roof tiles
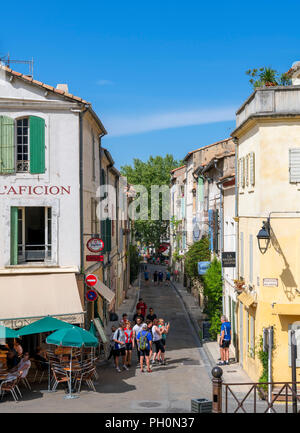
[(43, 85)]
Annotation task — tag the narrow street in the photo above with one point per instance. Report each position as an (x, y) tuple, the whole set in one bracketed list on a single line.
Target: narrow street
[(168, 388)]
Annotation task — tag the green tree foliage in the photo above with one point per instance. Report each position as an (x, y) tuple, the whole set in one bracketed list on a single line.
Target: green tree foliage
[(267, 76), (134, 261), (213, 295), (155, 171), (198, 252)]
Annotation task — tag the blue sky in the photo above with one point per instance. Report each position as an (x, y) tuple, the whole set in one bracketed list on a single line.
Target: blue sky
[(163, 76)]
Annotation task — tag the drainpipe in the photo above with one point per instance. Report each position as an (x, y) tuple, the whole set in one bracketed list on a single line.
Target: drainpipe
[(81, 114)]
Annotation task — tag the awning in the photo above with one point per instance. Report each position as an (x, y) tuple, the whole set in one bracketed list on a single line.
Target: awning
[(104, 291), (100, 330), (27, 298), (247, 299), (287, 309)]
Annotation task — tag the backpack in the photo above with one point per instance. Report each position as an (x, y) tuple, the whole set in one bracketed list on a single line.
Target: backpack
[(144, 341)]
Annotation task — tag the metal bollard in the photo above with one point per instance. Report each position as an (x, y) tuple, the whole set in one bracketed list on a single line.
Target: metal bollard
[(217, 381)]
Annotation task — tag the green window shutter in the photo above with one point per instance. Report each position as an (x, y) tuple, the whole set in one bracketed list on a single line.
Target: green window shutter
[(13, 235), (7, 145), (37, 144)]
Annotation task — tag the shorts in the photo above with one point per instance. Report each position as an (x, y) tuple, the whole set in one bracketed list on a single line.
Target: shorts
[(146, 278), (163, 341), (225, 344), (128, 346), (159, 346), (144, 352), (119, 352)]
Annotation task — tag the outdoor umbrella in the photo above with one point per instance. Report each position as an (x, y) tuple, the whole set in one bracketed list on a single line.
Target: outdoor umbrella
[(72, 337), (46, 324), (7, 333)]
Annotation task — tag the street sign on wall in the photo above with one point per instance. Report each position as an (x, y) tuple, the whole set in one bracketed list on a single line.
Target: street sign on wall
[(202, 267), (95, 245), (91, 280), (91, 295), (228, 259), (94, 258)]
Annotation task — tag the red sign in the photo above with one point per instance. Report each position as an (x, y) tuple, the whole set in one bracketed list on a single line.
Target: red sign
[(94, 258), (91, 280), (91, 295), (95, 245)]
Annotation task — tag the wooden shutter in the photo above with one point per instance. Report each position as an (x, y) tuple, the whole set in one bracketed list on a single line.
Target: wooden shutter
[(7, 145), (37, 144), (251, 259), (13, 235), (247, 170), (294, 165), (243, 173), (242, 254), (252, 169)]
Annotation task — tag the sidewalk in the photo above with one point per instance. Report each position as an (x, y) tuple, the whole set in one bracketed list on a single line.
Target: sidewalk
[(233, 373)]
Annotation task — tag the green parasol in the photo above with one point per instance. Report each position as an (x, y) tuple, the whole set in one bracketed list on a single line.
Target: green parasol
[(7, 333), (46, 324)]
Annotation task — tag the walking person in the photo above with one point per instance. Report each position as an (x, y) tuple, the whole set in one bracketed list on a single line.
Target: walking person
[(112, 346), (225, 340), (151, 316), (136, 329), (144, 339), (155, 277), (168, 278), (138, 315), (146, 277), (141, 305), (157, 332), (119, 340), (128, 343), (160, 277)]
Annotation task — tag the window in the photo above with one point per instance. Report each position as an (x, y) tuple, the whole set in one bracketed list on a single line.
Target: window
[(31, 234), (252, 168), (294, 165), (22, 145)]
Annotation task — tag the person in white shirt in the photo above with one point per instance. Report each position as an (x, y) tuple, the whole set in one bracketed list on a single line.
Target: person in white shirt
[(136, 329), (157, 340), (119, 340)]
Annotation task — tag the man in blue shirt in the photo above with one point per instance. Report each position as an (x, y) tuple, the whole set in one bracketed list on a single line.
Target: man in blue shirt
[(225, 340)]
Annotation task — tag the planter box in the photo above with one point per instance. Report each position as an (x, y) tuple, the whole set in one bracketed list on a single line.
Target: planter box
[(201, 405)]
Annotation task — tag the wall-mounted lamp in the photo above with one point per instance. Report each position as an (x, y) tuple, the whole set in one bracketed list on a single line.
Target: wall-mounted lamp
[(263, 236)]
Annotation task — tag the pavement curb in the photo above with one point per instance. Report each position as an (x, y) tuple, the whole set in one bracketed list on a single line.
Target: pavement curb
[(204, 353)]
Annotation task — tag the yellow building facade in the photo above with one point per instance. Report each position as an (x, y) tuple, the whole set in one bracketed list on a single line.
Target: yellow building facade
[(268, 189)]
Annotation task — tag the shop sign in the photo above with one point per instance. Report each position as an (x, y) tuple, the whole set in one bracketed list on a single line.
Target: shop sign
[(202, 267), (228, 259), (91, 295), (94, 258), (91, 280), (270, 282), (95, 245)]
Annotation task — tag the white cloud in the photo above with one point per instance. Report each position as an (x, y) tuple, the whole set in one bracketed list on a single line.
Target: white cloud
[(139, 123), (104, 82)]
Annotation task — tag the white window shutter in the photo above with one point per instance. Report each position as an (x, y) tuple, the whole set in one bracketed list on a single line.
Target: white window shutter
[(252, 169), (247, 170), (294, 165), (243, 173)]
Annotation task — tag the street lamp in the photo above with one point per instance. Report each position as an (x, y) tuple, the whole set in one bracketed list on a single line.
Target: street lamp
[(263, 236)]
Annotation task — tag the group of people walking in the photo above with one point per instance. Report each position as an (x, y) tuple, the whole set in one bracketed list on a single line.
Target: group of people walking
[(145, 334), (158, 277)]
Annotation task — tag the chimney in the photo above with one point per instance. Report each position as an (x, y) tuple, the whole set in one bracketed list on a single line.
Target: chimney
[(63, 87)]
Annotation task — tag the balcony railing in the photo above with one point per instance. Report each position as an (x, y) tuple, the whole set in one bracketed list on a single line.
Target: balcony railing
[(34, 253)]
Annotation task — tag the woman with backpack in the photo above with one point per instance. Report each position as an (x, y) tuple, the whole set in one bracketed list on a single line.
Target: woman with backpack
[(144, 340)]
